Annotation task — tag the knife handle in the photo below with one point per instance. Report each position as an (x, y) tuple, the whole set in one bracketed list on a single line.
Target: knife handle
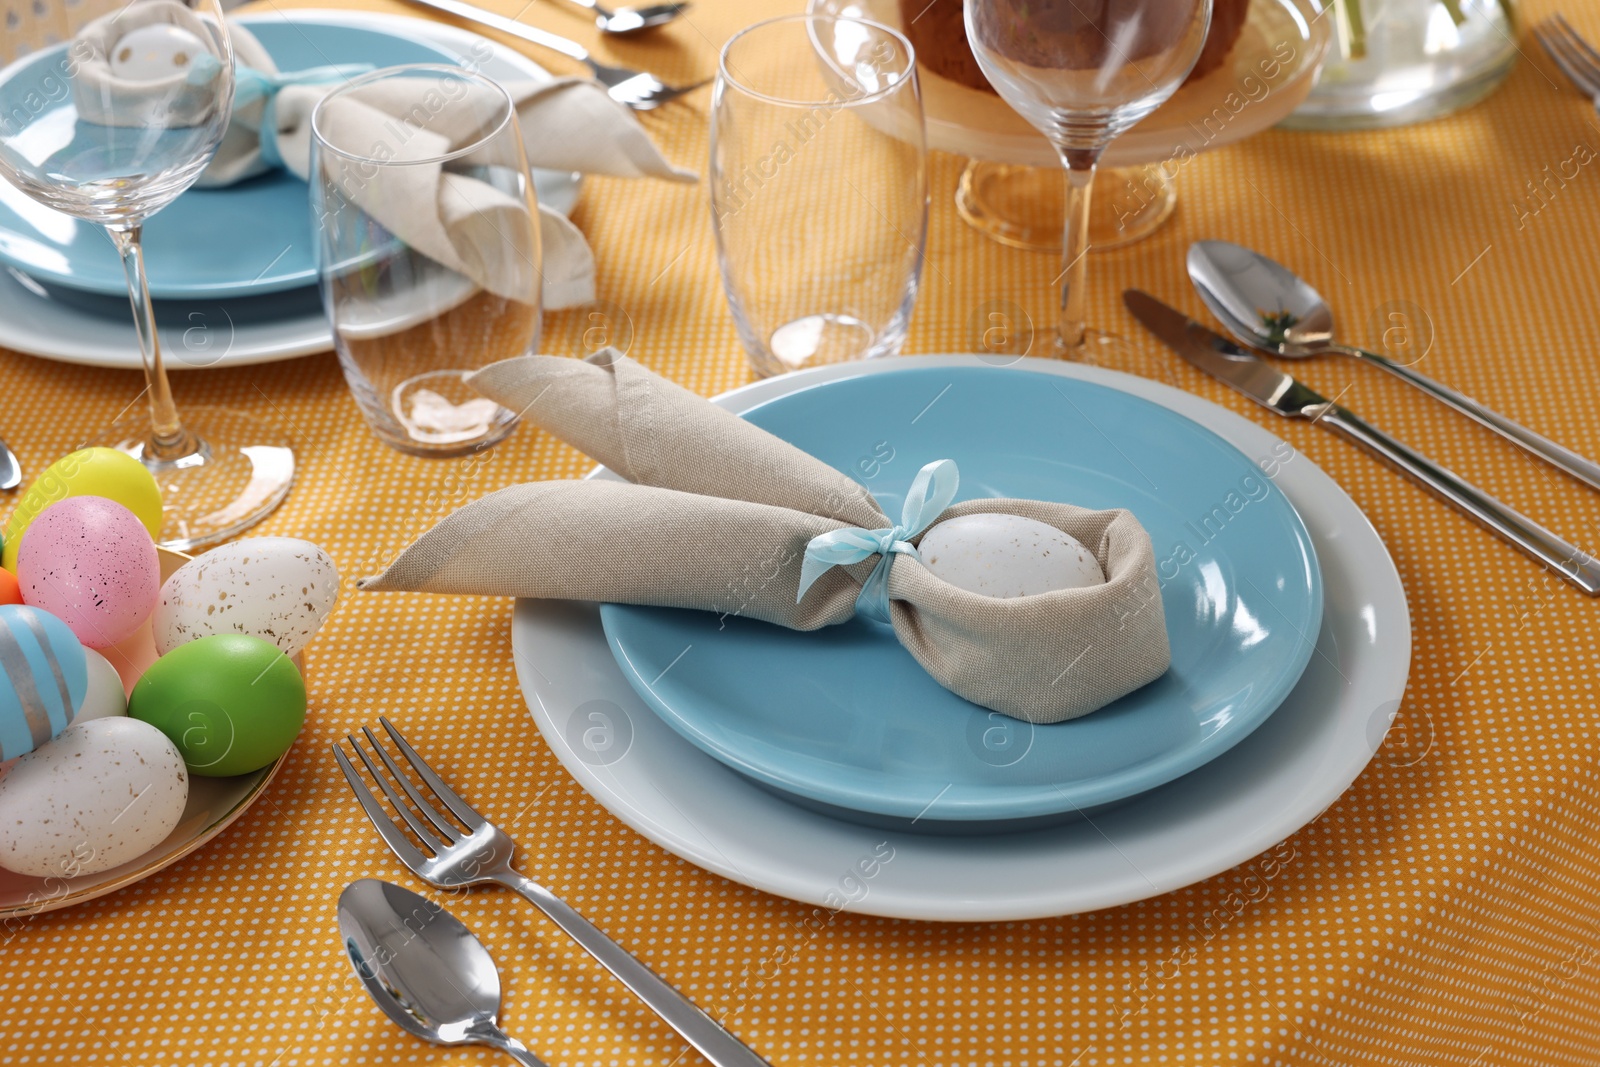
[(1574, 564), (1557, 455)]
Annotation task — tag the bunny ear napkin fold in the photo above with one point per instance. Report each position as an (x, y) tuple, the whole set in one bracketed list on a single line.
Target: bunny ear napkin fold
[(719, 515)]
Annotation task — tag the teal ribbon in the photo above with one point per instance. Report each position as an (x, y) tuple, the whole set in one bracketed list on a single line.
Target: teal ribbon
[(930, 493), (252, 85)]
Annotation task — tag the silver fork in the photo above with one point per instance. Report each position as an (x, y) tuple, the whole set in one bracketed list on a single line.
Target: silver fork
[(1576, 57), (637, 89), (482, 853)]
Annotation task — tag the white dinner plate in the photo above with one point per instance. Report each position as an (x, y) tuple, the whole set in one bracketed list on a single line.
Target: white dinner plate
[(97, 330), (1274, 782)]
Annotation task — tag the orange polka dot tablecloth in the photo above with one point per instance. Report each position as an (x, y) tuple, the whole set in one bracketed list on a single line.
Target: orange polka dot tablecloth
[(1445, 911)]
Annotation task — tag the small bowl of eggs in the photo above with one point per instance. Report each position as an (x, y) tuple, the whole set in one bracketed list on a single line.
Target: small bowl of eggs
[(146, 698)]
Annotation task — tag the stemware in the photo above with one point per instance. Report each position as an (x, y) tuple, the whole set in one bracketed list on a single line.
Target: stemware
[(429, 249), (107, 113), (1082, 74)]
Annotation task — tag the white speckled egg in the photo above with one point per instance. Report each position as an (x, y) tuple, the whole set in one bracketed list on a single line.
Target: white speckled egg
[(1007, 556), (106, 698), (104, 792), (276, 588)]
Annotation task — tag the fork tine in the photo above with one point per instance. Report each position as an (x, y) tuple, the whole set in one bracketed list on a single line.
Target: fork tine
[(377, 816), (418, 827), (447, 831), (1576, 39), (458, 807), (1556, 46)]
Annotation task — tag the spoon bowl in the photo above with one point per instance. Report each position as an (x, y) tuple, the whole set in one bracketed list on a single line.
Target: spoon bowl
[(1260, 301), (424, 968), (625, 20)]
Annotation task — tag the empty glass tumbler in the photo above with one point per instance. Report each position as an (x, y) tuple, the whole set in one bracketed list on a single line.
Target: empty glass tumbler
[(819, 189), (429, 256)]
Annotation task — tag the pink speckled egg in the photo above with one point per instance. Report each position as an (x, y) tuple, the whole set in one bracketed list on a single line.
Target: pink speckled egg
[(90, 562)]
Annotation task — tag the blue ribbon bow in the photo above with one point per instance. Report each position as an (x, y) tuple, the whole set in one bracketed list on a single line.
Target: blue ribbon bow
[(930, 493), (252, 85)]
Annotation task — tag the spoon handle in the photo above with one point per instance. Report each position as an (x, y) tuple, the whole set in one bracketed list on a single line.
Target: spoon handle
[(1580, 467), (717, 1045), (1572, 563)]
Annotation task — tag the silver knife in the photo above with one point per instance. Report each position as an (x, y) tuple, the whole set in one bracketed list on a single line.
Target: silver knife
[(1247, 373)]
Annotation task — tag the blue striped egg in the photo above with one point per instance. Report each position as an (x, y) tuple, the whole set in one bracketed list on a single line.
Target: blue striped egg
[(44, 677)]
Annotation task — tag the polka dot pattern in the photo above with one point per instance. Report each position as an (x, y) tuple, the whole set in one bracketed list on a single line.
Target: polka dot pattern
[(1446, 910)]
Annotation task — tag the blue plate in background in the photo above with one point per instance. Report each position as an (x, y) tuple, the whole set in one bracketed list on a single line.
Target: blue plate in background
[(248, 239), (844, 719)]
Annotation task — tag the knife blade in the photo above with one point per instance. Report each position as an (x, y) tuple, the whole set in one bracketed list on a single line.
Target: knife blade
[(10, 469), (1243, 370)]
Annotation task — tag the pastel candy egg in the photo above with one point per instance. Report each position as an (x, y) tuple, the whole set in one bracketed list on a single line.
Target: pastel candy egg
[(106, 697), (90, 562), (276, 588), (43, 678), (103, 793), (230, 702), (1007, 556), (101, 472)]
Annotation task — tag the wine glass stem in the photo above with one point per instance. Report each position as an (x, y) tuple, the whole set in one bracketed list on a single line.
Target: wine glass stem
[(1070, 325), (167, 436)]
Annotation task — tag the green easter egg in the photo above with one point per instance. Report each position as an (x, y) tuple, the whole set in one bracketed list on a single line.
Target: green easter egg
[(231, 703)]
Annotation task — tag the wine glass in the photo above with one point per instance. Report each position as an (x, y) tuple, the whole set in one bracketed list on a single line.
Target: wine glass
[(108, 111), (1083, 72)]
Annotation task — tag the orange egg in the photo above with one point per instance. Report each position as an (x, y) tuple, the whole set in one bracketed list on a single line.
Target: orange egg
[(9, 591)]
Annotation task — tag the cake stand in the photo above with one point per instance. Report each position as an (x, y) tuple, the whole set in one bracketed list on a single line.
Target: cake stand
[(1012, 187)]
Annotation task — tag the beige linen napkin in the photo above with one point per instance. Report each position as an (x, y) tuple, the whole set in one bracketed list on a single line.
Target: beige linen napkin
[(718, 517), (567, 124)]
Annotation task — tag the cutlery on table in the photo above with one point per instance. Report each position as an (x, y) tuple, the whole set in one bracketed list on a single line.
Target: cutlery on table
[(1267, 306), (626, 20), (10, 468), (477, 852), (424, 968), (637, 89), (1577, 59), (1249, 374)]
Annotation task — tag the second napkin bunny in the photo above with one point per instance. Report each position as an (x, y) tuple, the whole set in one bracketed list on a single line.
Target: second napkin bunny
[(718, 518)]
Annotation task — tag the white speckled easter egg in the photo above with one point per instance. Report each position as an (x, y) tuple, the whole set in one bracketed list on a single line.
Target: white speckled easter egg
[(106, 698), (156, 52), (90, 562), (105, 792), (1007, 556), (276, 588)]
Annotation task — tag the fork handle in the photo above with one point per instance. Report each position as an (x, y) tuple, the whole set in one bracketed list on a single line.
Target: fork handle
[(495, 21), (695, 1026), (1557, 455)]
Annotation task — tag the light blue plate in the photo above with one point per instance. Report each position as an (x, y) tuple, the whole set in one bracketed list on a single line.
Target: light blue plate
[(249, 239), (843, 719)]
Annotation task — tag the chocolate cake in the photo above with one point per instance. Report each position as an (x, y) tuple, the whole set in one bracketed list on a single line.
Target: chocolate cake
[(940, 38)]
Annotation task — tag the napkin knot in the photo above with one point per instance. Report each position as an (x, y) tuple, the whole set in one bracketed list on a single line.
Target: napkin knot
[(931, 492), (252, 84)]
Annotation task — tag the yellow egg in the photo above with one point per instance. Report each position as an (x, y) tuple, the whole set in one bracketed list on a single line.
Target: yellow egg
[(87, 472)]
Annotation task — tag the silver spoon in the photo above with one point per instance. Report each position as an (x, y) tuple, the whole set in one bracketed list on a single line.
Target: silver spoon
[(424, 968), (10, 468), (1265, 305), (626, 20)]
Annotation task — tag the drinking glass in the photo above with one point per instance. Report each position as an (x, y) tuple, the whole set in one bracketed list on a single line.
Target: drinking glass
[(429, 250), (1082, 72), (107, 113), (819, 189)]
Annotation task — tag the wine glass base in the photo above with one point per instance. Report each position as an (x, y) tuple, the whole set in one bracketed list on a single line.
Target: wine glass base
[(1023, 206), (228, 475)]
